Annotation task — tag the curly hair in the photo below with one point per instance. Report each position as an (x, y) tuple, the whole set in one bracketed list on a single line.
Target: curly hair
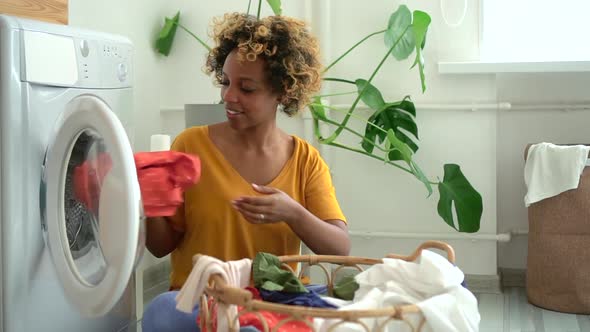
[(292, 56)]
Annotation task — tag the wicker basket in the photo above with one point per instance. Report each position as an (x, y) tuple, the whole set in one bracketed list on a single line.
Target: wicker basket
[(222, 293)]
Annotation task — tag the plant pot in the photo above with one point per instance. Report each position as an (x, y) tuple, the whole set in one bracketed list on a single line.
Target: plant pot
[(203, 114)]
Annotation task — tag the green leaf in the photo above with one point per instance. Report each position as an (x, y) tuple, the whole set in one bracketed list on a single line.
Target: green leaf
[(456, 189), (398, 27), (420, 176), (419, 30), (405, 105), (318, 111), (371, 96), (370, 135), (405, 151), (166, 35), (276, 6), (393, 116), (395, 155)]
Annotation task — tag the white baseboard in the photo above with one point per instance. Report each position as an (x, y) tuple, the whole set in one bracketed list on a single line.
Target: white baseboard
[(489, 284)]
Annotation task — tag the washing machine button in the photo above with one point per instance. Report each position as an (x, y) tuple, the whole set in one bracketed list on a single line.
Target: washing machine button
[(84, 48), (122, 72)]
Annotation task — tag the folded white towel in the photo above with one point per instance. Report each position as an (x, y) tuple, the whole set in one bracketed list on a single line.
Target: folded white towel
[(234, 273), (552, 169)]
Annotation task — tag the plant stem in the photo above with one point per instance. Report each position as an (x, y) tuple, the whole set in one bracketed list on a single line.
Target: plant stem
[(358, 98), (356, 133), (337, 94), (346, 147), (348, 112), (195, 36), (259, 7), (341, 80), (249, 3), (352, 48)]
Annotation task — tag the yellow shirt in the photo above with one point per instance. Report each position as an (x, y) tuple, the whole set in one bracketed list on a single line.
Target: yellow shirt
[(213, 227)]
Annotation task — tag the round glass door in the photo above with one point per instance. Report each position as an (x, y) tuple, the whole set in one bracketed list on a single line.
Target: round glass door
[(93, 218)]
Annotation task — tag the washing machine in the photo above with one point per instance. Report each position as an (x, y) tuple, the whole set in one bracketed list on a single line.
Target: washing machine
[(67, 248)]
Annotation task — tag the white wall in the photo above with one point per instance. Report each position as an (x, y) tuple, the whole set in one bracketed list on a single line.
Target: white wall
[(487, 144), (516, 129)]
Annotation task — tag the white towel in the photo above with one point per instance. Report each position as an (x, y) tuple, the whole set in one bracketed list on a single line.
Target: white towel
[(552, 169), (432, 283), (234, 273)]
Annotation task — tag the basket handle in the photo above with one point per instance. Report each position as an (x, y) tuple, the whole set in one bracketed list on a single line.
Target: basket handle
[(427, 245), (219, 289)]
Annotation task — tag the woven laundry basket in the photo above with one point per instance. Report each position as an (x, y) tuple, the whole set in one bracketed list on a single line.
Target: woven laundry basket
[(558, 261), (410, 315)]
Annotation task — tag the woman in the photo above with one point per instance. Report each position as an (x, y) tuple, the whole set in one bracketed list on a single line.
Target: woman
[(261, 190)]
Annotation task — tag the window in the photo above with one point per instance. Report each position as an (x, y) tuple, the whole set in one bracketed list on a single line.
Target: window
[(535, 30)]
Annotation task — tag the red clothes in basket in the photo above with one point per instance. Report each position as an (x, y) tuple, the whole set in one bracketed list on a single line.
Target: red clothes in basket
[(252, 319), (163, 177)]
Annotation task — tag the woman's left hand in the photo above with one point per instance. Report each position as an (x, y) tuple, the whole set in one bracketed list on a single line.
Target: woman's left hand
[(273, 207)]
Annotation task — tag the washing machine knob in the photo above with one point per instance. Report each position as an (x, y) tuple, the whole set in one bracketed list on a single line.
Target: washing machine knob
[(84, 48), (122, 72)]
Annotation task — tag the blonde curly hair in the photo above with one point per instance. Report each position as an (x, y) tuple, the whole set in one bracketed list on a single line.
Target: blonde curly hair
[(292, 56)]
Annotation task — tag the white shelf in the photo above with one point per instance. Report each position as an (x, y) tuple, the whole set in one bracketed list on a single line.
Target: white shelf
[(482, 67)]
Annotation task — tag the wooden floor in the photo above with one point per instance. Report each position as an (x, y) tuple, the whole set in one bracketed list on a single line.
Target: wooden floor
[(511, 312)]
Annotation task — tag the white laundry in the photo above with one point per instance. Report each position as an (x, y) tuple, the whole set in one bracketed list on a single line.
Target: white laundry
[(431, 282), (234, 273), (552, 169)]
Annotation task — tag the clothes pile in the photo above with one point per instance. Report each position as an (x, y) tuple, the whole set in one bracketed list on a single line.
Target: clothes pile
[(431, 282)]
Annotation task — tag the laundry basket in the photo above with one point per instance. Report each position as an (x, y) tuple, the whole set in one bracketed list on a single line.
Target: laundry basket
[(558, 269), (410, 315)]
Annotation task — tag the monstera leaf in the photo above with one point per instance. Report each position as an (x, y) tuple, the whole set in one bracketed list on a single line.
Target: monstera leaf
[(398, 28), (275, 5), (419, 28), (394, 116), (166, 36), (456, 191)]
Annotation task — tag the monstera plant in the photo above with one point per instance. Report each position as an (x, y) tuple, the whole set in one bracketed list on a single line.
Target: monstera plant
[(391, 132)]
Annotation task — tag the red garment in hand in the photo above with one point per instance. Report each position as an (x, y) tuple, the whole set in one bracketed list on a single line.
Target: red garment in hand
[(252, 319), (163, 177)]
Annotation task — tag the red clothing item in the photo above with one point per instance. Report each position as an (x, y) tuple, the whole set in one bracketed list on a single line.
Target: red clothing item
[(88, 179), (163, 177), (252, 319)]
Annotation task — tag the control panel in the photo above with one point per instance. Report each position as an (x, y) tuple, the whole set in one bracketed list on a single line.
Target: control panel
[(109, 62), (84, 61)]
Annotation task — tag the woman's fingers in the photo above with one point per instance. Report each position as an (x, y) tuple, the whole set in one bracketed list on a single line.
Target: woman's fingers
[(254, 217), (257, 200), (264, 189)]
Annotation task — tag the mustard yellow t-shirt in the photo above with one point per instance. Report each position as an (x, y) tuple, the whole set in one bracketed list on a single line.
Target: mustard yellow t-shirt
[(213, 227)]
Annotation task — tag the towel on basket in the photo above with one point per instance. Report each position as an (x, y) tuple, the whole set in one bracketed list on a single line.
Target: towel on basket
[(234, 273), (552, 169)]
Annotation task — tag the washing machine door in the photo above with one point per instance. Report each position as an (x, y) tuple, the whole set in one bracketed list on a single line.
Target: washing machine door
[(93, 218)]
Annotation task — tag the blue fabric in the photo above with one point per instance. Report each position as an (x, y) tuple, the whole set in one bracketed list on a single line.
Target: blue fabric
[(249, 329), (318, 289), (311, 299), (161, 316)]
